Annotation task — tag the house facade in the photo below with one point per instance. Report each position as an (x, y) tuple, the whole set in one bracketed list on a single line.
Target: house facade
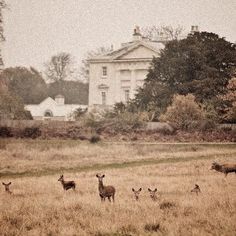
[(54, 109), (116, 76)]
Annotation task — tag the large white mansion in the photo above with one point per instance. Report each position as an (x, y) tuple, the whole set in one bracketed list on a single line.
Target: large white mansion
[(115, 76)]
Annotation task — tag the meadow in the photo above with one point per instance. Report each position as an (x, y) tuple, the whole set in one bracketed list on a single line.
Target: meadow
[(40, 206)]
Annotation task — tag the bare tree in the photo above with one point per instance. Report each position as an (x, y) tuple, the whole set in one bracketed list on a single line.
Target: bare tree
[(59, 68), (84, 69), (164, 32), (3, 5)]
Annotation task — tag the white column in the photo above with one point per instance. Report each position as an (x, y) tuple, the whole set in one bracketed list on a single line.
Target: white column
[(132, 84)]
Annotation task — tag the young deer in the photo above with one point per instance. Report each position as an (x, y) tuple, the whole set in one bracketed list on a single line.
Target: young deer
[(196, 189), (136, 193), (7, 187), (67, 184), (225, 168), (153, 194), (105, 191)]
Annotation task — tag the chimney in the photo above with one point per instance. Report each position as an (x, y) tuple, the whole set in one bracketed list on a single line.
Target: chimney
[(137, 35), (60, 99), (194, 28)]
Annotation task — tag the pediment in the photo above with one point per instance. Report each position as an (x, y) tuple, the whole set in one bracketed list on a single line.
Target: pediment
[(103, 86), (138, 52)]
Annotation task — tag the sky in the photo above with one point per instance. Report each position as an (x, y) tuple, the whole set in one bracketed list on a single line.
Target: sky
[(35, 30)]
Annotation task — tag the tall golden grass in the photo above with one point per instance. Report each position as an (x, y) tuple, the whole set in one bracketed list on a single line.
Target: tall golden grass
[(40, 206)]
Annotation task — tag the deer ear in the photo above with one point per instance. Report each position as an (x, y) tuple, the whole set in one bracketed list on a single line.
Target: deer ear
[(9, 183), (149, 190), (97, 175), (133, 189), (140, 189), (155, 190), (3, 183), (103, 176)]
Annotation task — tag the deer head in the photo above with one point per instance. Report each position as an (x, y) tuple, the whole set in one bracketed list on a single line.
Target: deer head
[(7, 187), (153, 194), (136, 193), (61, 178), (100, 177)]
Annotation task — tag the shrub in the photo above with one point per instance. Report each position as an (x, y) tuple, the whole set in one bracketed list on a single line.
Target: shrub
[(33, 132), (152, 227), (184, 112), (95, 139), (5, 132)]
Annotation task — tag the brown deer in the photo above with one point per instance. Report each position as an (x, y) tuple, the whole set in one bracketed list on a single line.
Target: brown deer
[(66, 184), (105, 191), (153, 194), (136, 193), (196, 189), (7, 187), (225, 168)]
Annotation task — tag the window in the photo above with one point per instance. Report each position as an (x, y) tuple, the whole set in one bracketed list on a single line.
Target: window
[(48, 113), (127, 95), (104, 71), (104, 98)]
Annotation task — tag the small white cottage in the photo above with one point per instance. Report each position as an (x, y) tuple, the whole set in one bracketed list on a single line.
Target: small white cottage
[(53, 109)]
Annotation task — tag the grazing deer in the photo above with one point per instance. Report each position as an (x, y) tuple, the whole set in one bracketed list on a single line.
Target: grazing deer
[(225, 168), (66, 184), (153, 194), (196, 189), (136, 193), (7, 187), (105, 191)]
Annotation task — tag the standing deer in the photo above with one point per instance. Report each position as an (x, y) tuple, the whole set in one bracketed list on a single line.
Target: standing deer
[(105, 191), (136, 193), (225, 168), (153, 194), (196, 189), (7, 187), (66, 184)]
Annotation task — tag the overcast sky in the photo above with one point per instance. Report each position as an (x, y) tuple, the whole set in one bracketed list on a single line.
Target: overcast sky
[(37, 29)]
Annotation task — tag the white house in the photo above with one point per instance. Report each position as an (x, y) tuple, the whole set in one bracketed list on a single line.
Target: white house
[(53, 109), (115, 76)]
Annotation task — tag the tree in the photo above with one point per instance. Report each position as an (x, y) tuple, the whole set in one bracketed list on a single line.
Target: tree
[(3, 5), (184, 112), (84, 70), (202, 64), (12, 107), (28, 84), (164, 32), (59, 67)]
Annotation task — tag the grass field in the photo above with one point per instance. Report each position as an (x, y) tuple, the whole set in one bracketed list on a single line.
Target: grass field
[(39, 206)]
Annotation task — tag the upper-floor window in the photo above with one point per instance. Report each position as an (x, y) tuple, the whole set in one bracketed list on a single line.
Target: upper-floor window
[(104, 71), (127, 97), (104, 98)]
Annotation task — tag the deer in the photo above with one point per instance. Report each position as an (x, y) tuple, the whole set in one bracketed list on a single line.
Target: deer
[(105, 191), (153, 194), (136, 193), (7, 187), (66, 184), (225, 168), (196, 189)]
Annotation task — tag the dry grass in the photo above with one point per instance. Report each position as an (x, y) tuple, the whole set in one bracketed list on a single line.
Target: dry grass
[(39, 206)]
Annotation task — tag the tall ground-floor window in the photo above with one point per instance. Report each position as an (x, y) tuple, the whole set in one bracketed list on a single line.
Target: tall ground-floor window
[(127, 95), (104, 98)]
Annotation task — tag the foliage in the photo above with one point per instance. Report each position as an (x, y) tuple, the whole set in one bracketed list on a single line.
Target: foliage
[(78, 113), (164, 32), (230, 99), (5, 132), (12, 107), (31, 132), (26, 83), (59, 67), (3, 6), (184, 112), (201, 64), (95, 139), (75, 92)]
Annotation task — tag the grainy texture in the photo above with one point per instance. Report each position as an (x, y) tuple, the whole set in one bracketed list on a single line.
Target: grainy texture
[(39, 206)]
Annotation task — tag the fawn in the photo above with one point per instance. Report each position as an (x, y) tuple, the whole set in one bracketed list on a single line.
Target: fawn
[(66, 184), (153, 194), (7, 187), (196, 189), (105, 191), (136, 193)]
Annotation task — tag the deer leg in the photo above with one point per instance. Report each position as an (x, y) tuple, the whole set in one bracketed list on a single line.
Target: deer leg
[(226, 174), (109, 198), (113, 197)]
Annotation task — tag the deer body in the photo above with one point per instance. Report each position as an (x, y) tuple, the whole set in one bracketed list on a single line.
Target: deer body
[(225, 168), (196, 189), (67, 184), (105, 191), (7, 187)]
